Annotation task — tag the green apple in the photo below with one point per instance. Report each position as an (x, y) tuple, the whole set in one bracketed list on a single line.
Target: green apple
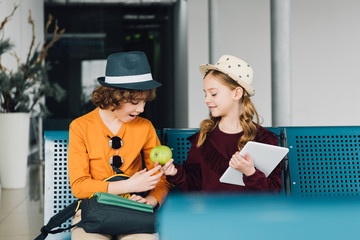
[(161, 153)]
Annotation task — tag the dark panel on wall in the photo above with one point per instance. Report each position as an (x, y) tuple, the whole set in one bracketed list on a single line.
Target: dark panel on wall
[(93, 31)]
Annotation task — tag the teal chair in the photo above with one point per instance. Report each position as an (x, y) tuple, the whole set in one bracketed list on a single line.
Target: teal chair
[(159, 134), (176, 139), (324, 161), (285, 178), (57, 191)]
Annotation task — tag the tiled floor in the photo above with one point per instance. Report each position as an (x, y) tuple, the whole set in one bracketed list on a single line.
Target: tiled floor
[(21, 214)]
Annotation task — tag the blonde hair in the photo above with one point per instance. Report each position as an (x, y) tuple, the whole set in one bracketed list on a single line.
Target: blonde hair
[(246, 117)]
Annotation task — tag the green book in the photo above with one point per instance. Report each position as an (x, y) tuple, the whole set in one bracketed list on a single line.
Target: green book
[(112, 199)]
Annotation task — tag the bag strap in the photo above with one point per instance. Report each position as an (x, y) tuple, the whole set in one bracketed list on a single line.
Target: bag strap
[(57, 220), (118, 171)]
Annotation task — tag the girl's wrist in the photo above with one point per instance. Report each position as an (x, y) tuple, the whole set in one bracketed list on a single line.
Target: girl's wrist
[(175, 172), (250, 173)]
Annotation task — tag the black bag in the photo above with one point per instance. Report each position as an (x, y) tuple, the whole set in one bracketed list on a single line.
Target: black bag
[(105, 213), (112, 215)]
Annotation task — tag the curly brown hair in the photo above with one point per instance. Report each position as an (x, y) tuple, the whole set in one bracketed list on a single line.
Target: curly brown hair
[(109, 97), (246, 117)]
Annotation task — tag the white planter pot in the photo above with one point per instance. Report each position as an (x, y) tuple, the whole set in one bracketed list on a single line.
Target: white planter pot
[(14, 149)]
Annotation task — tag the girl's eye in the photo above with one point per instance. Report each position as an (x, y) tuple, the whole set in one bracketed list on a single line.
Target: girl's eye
[(134, 103), (213, 95)]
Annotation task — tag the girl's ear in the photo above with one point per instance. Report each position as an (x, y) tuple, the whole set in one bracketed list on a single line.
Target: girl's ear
[(238, 93)]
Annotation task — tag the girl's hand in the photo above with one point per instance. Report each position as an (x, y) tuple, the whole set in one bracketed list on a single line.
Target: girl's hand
[(243, 164), (150, 200), (169, 168), (144, 180)]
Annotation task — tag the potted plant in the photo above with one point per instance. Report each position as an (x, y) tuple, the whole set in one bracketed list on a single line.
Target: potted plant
[(22, 93)]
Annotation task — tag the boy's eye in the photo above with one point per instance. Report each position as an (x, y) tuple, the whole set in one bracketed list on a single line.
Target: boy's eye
[(138, 102)]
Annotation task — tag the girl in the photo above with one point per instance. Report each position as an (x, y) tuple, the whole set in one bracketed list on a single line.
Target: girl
[(227, 88), (113, 136)]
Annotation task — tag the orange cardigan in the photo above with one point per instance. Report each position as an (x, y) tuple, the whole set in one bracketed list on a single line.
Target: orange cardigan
[(89, 153)]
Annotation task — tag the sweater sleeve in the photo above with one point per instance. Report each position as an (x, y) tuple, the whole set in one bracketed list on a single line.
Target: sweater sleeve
[(163, 187), (258, 181), (81, 182)]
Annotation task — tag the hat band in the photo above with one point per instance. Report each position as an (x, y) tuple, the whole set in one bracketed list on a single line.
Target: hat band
[(129, 79)]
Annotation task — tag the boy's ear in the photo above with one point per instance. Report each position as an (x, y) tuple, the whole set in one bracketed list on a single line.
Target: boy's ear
[(238, 93)]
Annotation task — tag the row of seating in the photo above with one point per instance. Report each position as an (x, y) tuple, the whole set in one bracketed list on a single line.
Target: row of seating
[(322, 162)]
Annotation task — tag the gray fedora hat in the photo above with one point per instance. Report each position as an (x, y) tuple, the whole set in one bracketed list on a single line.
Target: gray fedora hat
[(130, 70)]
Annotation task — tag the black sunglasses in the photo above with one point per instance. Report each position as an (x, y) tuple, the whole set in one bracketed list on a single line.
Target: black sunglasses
[(116, 143)]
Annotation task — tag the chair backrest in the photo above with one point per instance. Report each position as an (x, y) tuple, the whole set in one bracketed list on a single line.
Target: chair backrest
[(324, 161), (275, 130), (159, 134), (176, 139), (278, 131), (57, 191)]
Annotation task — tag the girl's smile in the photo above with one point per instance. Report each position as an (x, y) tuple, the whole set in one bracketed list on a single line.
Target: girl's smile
[(218, 97)]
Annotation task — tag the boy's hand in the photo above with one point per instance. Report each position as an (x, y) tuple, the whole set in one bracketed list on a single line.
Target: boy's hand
[(150, 200), (144, 180), (169, 168), (243, 164), (137, 198)]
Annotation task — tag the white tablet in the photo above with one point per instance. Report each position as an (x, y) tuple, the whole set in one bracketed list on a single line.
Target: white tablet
[(265, 156)]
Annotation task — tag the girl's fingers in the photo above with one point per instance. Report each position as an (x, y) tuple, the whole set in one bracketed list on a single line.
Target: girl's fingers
[(168, 166), (236, 160), (234, 163), (248, 157), (231, 164), (169, 163), (237, 156)]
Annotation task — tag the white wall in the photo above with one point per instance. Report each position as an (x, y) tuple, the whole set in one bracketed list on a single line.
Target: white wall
[(243, 30), (192, 50), (245, 33), (325, 57), (90, 71), (18, 29), (325, 62), (198, 53)]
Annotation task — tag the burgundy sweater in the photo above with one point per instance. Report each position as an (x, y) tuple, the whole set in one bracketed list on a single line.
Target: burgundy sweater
[(205, 165)]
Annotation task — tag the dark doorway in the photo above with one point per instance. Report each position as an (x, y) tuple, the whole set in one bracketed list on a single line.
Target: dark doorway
[(93, 31)]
